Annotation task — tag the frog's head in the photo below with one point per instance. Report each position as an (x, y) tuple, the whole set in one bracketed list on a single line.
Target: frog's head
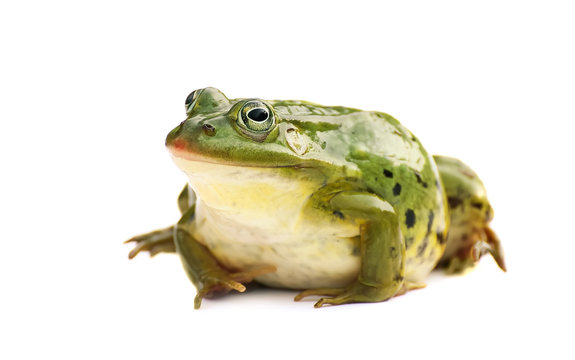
[(244, 132)]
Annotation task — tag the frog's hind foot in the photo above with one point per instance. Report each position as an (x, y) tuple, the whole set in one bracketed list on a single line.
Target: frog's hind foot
[(484, 242), (493, 246), (154, 242), (337, 296)]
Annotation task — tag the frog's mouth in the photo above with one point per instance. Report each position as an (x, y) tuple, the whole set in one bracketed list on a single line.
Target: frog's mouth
[(181, 149)]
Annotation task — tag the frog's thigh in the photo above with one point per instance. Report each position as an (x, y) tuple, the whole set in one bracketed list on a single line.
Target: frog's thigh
[(382, 251)]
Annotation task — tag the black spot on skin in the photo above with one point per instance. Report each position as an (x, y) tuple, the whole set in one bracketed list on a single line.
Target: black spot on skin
[(440, 237), (430, 222), (397, 189), (339, 214), (387, 173), (421, 248), (355, 251), (392, 252), (420, 180), (453, 202), (398, 277), (409, 218)]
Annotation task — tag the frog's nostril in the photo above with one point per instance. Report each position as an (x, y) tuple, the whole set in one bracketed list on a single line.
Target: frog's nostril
[(209, 129)]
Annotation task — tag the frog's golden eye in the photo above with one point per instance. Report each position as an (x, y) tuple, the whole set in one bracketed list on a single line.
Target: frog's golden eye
[(191, 99), (256, 119)]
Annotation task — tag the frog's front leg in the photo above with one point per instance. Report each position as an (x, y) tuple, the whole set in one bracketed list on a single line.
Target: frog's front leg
[(209, 277), (382, 251)]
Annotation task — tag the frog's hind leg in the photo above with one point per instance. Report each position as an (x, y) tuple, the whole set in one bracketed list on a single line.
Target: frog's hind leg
[(162, 240), (470, 236), (210, 277), (470, 248), (154, 242)]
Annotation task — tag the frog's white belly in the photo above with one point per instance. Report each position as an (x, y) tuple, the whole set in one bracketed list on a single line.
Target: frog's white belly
[(257, 216), (305, 255)]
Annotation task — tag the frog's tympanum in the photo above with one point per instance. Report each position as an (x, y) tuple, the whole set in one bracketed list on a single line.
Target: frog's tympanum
[(339, 203)]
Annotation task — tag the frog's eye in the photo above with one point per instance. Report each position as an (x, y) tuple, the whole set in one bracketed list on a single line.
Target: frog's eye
[(191, 99), (256, 119)]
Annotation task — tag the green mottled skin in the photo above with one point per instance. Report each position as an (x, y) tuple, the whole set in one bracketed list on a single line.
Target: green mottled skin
[(358, 172), (470, 236)]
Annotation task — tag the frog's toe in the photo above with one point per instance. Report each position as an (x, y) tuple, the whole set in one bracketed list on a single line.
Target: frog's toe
[(220, 282), (357, 292), (154, 242), (216, 284), (332, 296), (338, 300), (494, 248), (318, 292)]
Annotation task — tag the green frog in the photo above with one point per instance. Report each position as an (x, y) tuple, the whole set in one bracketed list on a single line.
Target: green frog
[(342, 204)]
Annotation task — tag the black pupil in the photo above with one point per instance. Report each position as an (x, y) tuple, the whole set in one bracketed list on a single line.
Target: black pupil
[(258, 114), (190, 98)]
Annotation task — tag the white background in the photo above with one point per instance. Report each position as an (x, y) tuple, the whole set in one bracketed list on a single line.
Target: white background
[(89, 91)]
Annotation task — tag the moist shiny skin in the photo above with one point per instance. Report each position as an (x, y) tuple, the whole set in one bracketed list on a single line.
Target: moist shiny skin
[(334, 198), (242, 225)]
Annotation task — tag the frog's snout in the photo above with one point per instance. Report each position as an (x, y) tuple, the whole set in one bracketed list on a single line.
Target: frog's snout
[(174, 140)]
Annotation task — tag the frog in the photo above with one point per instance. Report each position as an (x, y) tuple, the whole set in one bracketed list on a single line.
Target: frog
[(341, 204)]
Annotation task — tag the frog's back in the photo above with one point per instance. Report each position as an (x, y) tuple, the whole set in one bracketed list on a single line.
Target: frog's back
[(389, 161), (413, 187)]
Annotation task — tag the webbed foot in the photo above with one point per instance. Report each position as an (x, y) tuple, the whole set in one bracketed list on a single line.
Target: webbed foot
[(484, 242), (154, 242), (355, 293), (493, 246), (219, 282)]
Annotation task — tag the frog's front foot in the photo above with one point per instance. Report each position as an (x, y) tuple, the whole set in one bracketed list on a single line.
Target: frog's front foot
[(355, 293), (219, 282)]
